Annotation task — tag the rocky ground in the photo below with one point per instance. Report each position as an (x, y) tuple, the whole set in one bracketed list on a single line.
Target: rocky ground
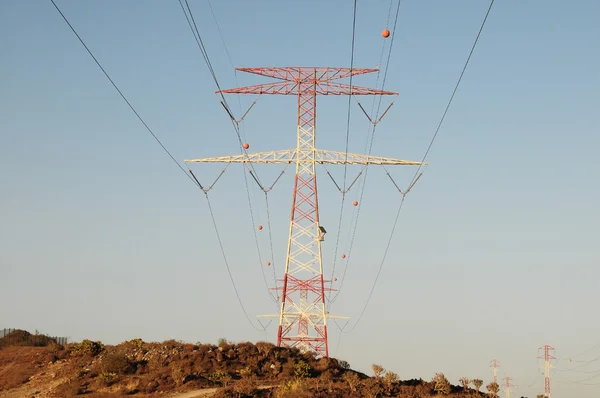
[(175, 369)]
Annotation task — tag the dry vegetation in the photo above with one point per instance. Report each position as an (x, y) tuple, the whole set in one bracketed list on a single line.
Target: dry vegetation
[(234, 370)]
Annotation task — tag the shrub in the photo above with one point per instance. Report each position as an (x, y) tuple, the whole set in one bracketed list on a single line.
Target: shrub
[(245, 372), (135, 342), (378, 370), (293, 388), (118, 363), (218, 376), (87, 347), (302, 369), (246, 387), (352, 379), (107, 378), (441, 384), (344, 365)]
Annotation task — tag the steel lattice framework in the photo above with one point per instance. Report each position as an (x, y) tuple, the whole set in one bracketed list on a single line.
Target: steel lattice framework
[(547, 357), (303, 286)]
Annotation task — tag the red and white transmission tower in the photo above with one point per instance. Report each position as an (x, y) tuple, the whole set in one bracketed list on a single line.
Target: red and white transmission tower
[(547, 357), (495, 364), (302, 316), (507, 385)]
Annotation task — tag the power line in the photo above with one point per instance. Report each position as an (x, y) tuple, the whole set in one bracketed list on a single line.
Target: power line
[(194, 181), (198, 38), (350, 96), (387, 248), (120, 92), (366, 169), (347, 143), (196, 33), (437, 130), (212, 215), (423, 160)]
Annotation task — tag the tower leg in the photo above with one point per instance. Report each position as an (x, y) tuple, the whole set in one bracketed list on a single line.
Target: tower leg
[(303, 295)]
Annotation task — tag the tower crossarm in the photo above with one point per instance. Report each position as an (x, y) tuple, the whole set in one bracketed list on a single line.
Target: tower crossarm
[(307, 72), (322, 156), (320, 87)]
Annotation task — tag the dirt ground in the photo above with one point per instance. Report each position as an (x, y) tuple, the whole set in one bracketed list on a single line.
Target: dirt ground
[(178, 370)]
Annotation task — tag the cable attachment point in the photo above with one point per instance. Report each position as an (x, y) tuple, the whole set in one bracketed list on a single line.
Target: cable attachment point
[(206, 190), (343, 191), (412, 184), (367, 115), (236, 121)]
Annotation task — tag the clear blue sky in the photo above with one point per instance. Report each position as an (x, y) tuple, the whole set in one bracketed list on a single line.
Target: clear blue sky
[(102, 237)]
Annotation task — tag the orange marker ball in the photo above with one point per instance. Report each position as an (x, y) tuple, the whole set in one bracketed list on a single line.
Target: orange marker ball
[(343, 256), (385, 33), (268, 263), (334, 279), (355, 203), (246, 146), (260, 227)]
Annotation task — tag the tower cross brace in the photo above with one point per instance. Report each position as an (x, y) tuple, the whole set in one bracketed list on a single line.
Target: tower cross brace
[(303, 315)]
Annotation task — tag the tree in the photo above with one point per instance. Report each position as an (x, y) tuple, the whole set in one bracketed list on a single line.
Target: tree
[(465, 381), (441, 384), (352, 379), (493, 389), (378, 370), (391, 378), (477, 383)]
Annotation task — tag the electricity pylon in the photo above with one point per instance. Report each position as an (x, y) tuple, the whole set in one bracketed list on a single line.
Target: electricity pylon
[(508, 386), (495, 364), (303, 287), (547, 357)]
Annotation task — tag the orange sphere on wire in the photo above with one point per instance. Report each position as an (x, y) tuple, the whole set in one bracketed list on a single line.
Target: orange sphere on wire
[(246, 145), (260, 227), (343, 256), (355, 203), (268, 263), (334, 279), (385, 33)]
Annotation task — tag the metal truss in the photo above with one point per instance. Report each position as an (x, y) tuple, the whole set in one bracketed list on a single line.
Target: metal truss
[(302, 315), (322, 156)]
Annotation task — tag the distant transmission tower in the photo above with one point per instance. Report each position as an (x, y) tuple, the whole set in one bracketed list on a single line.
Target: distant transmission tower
[(508, 386), (302, 315), (495, 364), (547, 365)]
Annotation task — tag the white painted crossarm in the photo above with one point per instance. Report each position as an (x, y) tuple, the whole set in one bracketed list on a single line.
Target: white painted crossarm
[(282, 156), (322, 156)]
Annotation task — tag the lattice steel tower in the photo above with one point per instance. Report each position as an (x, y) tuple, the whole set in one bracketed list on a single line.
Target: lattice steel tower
[(495, 364), (508, 385), (303, 286), (547, 357)]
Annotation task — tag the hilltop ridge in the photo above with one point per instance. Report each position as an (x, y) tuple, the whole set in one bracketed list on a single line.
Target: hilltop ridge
[(176, 369)]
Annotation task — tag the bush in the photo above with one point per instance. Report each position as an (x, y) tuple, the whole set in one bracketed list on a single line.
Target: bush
[(107, 378), (302, 369), (293, 388), (344, 365), (117, 363), (135, 342), (87, 347)]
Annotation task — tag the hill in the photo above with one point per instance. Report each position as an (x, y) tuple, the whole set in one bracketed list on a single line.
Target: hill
[(176, 369)]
